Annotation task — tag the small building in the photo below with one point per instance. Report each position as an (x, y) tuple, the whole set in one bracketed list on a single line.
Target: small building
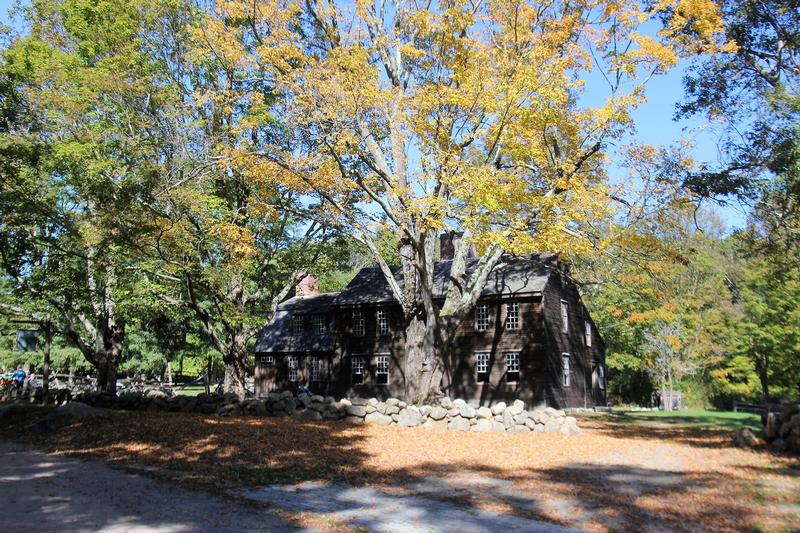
[(530, 338)]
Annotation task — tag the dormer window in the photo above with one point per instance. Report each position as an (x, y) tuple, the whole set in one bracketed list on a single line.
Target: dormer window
[(564, 316), (297, 324), (482, 317), (359, 324), (512, 315)]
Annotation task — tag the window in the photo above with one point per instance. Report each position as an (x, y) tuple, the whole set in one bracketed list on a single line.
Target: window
[(382, 370), (565, 371), (588, 333), (512, 366), (601, 377), (316, 369), (357, 369), (482, 317), (318, 324), (297, 324), (382, 319), (512, 315), (482, 367), (358, 324), (292, 367), (564, 316), (267, 360)]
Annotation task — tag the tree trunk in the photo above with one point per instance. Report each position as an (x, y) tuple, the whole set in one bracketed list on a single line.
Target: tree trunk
[(763, 377), (48, 341), (106, 360), (670, 403), (106, 368), (423, 367), (236, 365)]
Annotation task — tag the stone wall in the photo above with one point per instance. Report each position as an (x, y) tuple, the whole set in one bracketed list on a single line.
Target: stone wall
[(455, 415), (782, 428)]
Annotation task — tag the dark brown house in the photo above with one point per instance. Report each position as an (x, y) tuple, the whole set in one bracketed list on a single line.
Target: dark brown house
[(530, 338)]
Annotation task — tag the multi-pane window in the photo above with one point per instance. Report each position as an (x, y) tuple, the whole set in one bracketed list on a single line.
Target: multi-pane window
[(357, 369), (318, 324), (267, 360), (292, 368), (482, 367), (382, 369), (588, 334), (316, 369), (565, 370), (382, 320), (564, 316), (482, 317), (297, 324), (601, 377), (512, 366), (512, 315), (359, 324)]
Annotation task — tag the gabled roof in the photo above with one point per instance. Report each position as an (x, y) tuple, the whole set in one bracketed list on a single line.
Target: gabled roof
[(277, 335), (514, 275)]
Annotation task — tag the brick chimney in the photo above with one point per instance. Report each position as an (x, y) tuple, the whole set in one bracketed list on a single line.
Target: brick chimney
[(306, 286), (447, 246)]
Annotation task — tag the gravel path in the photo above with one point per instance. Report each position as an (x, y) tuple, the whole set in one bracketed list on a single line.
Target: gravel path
[(44, 493)]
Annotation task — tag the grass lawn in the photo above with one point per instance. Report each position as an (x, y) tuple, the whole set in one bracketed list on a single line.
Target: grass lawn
[(627, 471), (695, 418)]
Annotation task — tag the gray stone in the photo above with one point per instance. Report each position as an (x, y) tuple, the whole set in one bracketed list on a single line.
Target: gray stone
[(402, 405), (290, 406), (353, 420), (498, 408), (552, 425), (381, 407), (457, 403), (279, 406), (392, 409), (356, 410), (517, 407), (358, 401), (438, 413), (530, 423), (466, 411), (316, 398), (425, 410), (446, 402), (344, 402), (373, 402), (409, 417), (483, 425), (370, 408), (519, 429), (508, 419), (304, 399), (498, 427), (378, 418), (570, 429), (307, 415), (458, 424), (484, 412), (392, 401), (285, 395), (745, 438), (538, 428), (521, 417), (65, 415)]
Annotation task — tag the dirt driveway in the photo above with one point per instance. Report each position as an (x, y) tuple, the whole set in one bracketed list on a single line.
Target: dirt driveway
[(335, 476)]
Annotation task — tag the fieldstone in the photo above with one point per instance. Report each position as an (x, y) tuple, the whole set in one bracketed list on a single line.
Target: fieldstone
[(395, 417), (498, 408), (373, 402), (378, 418), (307, 415), (392, 401), (358, 401), (538, 428), (290, 406), (745, 438), (466, 411), (446, 402), (425, 410), (345, 402), (552, 425), (453, 411), (356, 410), (530, 423), (521, 417), (409, 417), (305, 399), (402, 405), (437, 413), (519, 429), (570, 427), (381, 407), (370, 409), (508, 419), (316, 398), (484, 412), (431, 423), (319, 407), (498, 427), (457, 403), (285, 395), (458, 424), (279, 406), (274, 396), (517, 407), (354, 420), (64, 416), (483, 425), (261, 409), (392, 409), (778, 445)]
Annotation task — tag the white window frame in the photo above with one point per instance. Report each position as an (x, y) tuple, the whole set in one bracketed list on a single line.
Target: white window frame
[(298, 323), (482, 366), (512, 315), (293, 368), (564, 316), (382, 368), (601, 377), (482, 317), (315, 369), (566, 369), (588, 333), (318, 324), (267, 360), (382, 322), (359, 323), (512, 364), (357, 367)]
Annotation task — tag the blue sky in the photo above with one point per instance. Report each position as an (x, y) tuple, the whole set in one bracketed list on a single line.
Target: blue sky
[(654, 123)]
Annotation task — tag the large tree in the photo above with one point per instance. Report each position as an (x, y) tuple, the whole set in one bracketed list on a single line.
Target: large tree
[(454, 116)]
